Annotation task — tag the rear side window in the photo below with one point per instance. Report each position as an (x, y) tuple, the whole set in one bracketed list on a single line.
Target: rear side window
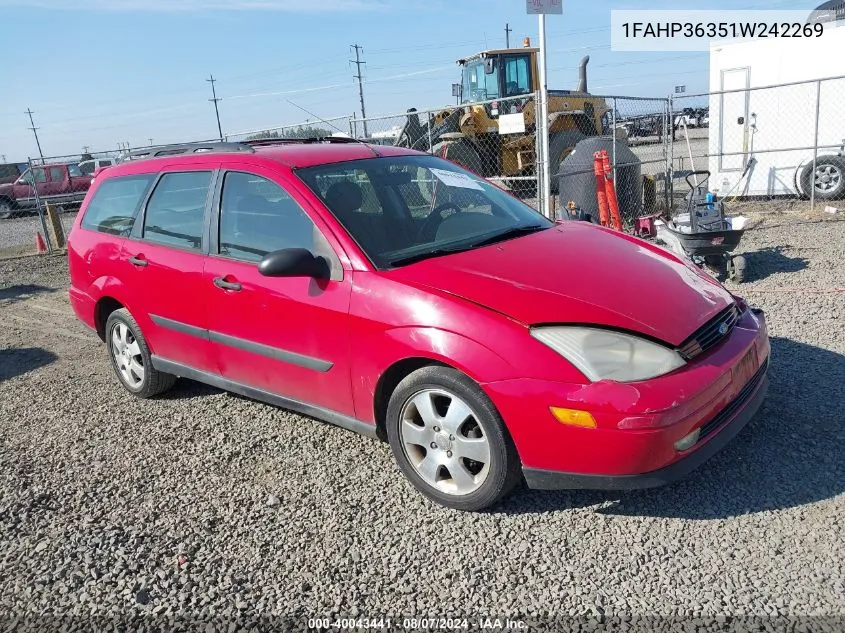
[(57, 174), (176, 209), (115, 204), (9, 171)]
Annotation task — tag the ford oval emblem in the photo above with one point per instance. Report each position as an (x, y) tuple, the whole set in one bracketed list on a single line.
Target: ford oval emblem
[(723, 329)]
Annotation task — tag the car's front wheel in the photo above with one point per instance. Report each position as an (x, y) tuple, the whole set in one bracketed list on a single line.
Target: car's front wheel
[(450, 441), (130, 357)]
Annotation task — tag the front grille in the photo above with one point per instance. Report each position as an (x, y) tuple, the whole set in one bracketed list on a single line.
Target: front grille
[(736, 404), (710, 334)]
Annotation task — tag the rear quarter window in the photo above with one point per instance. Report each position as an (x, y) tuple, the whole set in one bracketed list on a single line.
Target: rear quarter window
[(115, 204), (9, 172)]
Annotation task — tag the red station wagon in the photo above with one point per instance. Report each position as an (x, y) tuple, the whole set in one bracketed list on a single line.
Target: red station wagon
[(395, 294)]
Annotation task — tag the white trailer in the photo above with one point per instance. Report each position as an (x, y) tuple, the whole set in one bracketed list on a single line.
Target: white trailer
[(761, 140)]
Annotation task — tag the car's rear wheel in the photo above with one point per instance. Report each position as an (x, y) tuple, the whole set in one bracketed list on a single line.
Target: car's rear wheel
[(130, 357), (450, 441)]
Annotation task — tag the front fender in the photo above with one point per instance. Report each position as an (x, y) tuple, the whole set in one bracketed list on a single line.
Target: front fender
[(372, 356)]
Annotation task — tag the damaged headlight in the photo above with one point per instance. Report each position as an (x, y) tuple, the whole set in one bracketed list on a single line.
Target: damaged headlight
[(604, 354)]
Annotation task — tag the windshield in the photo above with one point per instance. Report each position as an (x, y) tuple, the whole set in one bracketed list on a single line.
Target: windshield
[(477, 85), (406, 208)]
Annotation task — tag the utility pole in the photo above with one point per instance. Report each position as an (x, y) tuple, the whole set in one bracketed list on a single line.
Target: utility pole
[(360, 78), (508, 31), (86, 149), (214, 100), (151, 141), (33, 128)]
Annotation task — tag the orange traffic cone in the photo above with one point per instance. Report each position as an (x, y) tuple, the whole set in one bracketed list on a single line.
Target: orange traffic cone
[(40, 246)]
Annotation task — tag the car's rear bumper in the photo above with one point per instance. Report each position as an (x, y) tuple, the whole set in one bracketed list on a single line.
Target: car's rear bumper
[(83, 306), (541, 479)]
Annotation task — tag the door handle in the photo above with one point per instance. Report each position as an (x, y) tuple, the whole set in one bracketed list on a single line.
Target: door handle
[(226, 285), (138, 261)]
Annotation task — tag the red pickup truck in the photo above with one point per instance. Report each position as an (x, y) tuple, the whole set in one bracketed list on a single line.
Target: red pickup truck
[(62, 184)]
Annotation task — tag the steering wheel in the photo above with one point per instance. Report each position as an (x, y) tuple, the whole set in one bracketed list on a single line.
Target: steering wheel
[(433, 221)]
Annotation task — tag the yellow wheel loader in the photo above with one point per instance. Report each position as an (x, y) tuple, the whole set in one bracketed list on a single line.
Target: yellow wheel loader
[(504, 82)]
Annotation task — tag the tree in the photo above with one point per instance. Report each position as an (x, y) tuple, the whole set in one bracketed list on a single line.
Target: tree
[(301, 131)]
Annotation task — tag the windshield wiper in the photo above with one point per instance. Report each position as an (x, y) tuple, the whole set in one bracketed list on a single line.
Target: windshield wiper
[(515, 231), (438, 252)]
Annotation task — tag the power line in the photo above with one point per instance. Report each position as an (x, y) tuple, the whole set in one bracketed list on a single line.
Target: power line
[(360, 79), (214, 100)]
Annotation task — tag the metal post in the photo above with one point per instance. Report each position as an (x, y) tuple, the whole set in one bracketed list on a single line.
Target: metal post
[(815, 147), (38, 205), (670, 133), (543, 123), (352, 126), (613, 131), (538, 151), (430, 121)]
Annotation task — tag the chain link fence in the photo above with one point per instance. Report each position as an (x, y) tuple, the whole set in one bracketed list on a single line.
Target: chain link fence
[(782, 144), (765, 148), (636, 136), (316, 128), (495, 139)]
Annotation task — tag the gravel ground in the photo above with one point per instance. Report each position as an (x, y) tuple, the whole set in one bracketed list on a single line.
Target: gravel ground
[(20, 232), (221, 511)]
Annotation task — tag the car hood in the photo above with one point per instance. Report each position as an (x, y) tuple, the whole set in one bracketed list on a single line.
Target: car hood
[(579, 273)]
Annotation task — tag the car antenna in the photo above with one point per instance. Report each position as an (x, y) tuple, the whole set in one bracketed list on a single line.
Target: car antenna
[(321, 119)]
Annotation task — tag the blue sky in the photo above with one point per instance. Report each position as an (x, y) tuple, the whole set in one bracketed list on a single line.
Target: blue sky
[(100, 72)]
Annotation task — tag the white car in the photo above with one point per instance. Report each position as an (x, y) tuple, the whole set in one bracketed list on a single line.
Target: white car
[(88, 167)]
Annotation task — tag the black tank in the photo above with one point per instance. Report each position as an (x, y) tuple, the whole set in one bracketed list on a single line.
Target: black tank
[(578, 180)]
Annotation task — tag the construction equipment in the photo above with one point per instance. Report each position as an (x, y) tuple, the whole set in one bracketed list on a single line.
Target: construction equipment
[(499, 82)]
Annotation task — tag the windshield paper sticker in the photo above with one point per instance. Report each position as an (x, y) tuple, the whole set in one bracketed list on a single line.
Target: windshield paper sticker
[(454, 179)]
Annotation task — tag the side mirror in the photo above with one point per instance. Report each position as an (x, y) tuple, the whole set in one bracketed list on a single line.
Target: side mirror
[(489, 65), (293, 262)]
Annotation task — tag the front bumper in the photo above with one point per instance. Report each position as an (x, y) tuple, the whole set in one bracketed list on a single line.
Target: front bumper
[(540, 479), (638, 425)]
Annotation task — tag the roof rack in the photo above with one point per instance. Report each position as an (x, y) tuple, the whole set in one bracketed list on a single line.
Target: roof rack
[(311, 139), (188, 148), (241, 146)]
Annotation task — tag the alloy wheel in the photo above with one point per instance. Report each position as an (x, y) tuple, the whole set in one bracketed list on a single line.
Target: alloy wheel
[(127, 356), (828, 178), (444, 442)]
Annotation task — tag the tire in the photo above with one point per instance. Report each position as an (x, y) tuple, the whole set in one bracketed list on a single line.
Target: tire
[(461, 152), (443, 472), (716, 263), (737, 268), (561, 145), (126, 345), (6, 209), (829, 180)]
